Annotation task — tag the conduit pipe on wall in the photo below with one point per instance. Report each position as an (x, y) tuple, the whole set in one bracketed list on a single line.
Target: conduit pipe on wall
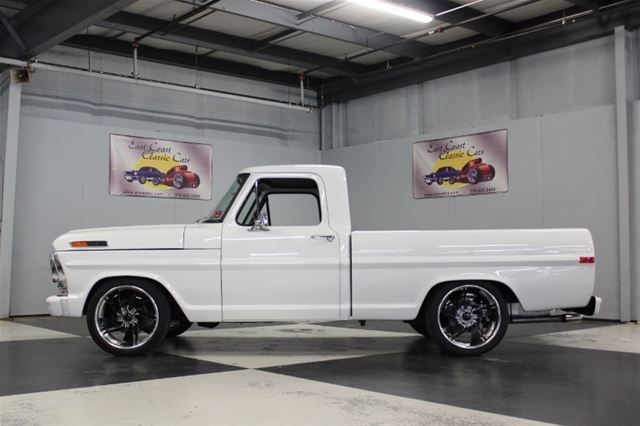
[(152, 83)]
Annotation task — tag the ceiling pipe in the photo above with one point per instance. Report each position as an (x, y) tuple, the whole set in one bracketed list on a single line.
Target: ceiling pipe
[(153, 83)]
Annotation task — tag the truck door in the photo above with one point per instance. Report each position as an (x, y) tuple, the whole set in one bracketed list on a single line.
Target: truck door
[(286, 265)]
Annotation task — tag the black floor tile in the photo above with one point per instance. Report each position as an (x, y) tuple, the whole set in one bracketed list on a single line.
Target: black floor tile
[(514, 331), (78, 326), (75, 326), (546, 383), (52, 364)]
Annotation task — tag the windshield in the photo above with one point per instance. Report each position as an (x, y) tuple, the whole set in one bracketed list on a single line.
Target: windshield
[(219, 213)]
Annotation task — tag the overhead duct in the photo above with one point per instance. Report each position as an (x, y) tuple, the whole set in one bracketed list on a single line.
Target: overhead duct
[(152, 83)]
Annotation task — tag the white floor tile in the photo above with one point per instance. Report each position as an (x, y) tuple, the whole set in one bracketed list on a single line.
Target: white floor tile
[(295, 331), (270, 346), (10, 330), (246, 397), (617, 338)]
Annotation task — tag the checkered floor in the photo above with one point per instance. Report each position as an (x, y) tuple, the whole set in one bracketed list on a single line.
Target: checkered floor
[(339, 373)]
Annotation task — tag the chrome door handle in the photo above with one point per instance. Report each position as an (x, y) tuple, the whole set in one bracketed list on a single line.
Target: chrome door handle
[(329, 238)]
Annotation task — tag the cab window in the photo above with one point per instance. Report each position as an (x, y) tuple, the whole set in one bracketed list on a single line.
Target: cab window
[(284, 201)]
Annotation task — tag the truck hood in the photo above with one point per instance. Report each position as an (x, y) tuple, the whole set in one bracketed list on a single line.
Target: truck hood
[(125, 238)]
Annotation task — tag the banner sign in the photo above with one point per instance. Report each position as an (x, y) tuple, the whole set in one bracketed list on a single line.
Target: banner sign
[(464, 165), (143, 167)]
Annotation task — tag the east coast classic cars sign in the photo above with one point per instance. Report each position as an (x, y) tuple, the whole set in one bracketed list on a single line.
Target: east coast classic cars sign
[(463, 165), (144, 167)]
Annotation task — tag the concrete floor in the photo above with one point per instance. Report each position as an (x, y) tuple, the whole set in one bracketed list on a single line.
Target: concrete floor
[(334, 373)]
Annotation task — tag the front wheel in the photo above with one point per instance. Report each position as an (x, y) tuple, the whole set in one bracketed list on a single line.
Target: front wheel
[(142, 179), (467, 318), (420, 326), (128, 317), (178, 326)]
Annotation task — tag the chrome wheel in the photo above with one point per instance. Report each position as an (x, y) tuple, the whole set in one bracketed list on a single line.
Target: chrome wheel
[(469, 317), (178, 181), (474, 176), (126, 317)]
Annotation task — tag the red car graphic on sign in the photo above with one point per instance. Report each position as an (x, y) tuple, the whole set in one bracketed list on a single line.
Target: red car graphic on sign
[(179, 177), (475, 171)]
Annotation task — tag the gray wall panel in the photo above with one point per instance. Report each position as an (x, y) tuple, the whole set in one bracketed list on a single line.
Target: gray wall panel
[(580, 187), (63, 156), (561, 174)]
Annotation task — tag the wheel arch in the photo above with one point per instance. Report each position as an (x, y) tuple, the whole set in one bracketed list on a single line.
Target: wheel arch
[(506, 291), (176, 309)]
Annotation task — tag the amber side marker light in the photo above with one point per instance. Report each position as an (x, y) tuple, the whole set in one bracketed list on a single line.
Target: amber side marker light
[(588, 259), (88, 243)]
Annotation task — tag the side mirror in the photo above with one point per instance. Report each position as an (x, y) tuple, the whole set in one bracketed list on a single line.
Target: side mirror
[(260, 223)]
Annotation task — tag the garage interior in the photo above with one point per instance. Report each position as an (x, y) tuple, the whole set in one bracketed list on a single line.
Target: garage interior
[(342, 82)]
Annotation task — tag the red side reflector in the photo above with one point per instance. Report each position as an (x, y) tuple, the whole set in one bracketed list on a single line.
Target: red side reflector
[(588, 259)]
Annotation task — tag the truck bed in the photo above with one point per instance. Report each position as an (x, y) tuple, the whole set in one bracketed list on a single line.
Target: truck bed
[(392, 271)]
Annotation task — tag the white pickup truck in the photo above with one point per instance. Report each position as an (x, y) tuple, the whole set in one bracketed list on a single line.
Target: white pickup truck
[(291, 256)]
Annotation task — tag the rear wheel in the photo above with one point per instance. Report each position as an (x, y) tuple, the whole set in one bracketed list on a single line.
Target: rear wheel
[(128, 317), (467, 318)]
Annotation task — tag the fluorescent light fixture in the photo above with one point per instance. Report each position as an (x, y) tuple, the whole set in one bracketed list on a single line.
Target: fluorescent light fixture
[(462, 6), (394, 9)]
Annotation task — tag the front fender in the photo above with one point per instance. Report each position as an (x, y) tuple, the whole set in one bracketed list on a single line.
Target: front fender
[(191, 277)]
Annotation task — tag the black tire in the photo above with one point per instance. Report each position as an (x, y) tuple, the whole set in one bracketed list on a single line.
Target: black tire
[(178, 326), (155, 181), (147, 311), (420, 326), (142, 180), (178, 181), (440, 181), (492, 174), (452, 180), (474, 176), (480, 310)]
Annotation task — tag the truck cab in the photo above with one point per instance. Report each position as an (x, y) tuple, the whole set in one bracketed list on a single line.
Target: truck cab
[(296, 265)]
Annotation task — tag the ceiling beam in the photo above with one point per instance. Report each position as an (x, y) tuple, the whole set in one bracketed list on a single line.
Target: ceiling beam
[(323, 8), (298, 59), (319, 25), (489, 25), (454, 58), (182, 59), (586, 4), (45, 23), (16, 4)]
